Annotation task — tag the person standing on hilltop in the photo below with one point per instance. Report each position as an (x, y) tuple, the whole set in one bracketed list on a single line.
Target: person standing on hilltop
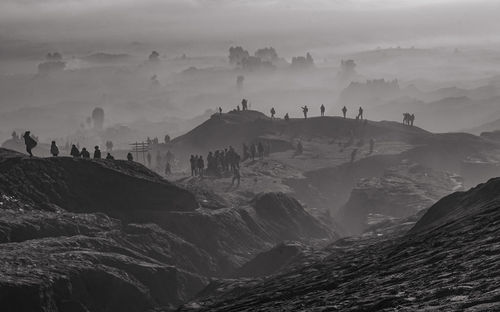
[(305, 110), (360, 114), (30, 142), (74, 151), (54, 150), (220, 111), (201, 166), (130, 157), (272, 112), (244, 104), (97, 152), (344, 111), (322, 108), (287, 117)]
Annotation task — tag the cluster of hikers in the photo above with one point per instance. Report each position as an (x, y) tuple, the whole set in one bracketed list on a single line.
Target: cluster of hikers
[(408, 119), (76, 153), (256, 150), (218, 162)]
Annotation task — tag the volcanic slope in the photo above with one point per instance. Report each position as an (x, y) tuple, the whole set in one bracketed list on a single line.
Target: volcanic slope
[(409, 164), (447, 262), (98, 235)]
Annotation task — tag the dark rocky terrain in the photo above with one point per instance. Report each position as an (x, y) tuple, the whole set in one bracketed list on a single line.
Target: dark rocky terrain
[(447, 262), (96, 235)]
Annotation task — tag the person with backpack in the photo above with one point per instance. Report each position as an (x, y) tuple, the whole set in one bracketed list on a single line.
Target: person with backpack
[(97, 152), (54, 150), (74, 151), (30, 142)]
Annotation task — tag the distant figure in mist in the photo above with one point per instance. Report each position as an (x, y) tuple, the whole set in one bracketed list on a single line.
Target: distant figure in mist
[(372, 146), (97, 152), (360, 113), (109, 157), (130, 157), (273, 112), (220, 111), (54, 150), (305, 110), (148, 158), (253, 151), (168, 170), (322, 109), (237, 108), (260, 150), (74, 151), (287, 117), (299, 150), (193, 163), (353, 155), (236, 176), (412, 119), (244, 104), (30, 142), (201, 165), (344, 111)]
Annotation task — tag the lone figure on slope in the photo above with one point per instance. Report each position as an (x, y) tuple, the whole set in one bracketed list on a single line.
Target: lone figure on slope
[(344, 111), (305, 110), (54, 150), (30, 142), (322, 109)]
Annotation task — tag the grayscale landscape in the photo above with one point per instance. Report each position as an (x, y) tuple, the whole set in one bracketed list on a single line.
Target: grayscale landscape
[(267, 155)]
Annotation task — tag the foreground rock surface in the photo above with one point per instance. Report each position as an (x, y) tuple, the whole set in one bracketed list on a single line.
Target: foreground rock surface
[(447, 262), (68, 241)]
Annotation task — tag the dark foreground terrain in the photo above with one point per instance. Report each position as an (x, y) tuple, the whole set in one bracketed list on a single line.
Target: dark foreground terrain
[(449, 261), (87, 235)]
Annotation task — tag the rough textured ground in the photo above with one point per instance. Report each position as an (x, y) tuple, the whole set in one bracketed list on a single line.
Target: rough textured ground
[(85, 235), (448, 262)]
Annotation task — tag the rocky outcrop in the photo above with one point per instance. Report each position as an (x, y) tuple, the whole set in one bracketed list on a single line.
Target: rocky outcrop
[(402, 191), (449, 262), (115, 187), (96, 235)]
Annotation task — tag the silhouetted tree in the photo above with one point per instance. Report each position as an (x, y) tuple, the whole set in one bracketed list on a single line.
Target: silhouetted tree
[(237, 55), (98, 118), (267, 54)]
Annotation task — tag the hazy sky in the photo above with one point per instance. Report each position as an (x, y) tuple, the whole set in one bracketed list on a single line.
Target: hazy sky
[(314, 23)]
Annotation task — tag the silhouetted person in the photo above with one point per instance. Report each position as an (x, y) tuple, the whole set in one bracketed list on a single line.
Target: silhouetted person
[(244, 104), (201, 165), (97, 152), (193, 163), (54, 150), (272, 112), (168, 170), (322, 108), (220, 111), (253, 151), (74, 151), (148, 158), (260, 149), (85, 153), (236, 176), (360, 114), (287, 117), (130, 157), (30, 142), (353, 155), (304, 111), (344, 111), (109, 157), (412, 119)]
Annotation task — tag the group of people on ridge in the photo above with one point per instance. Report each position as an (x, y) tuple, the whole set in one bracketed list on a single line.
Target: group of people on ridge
[(408, 119)]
